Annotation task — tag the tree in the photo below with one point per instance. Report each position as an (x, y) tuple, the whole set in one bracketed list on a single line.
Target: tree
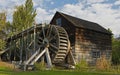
[(2, 20), (5, 29), (2, 32), (9, 29), (24, 16), (116, 51)]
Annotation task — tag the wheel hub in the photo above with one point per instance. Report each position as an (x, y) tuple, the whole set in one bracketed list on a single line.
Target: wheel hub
[(46, 42)]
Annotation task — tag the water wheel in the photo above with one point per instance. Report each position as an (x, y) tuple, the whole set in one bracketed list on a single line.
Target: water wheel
[(49, 41), (56, 39)]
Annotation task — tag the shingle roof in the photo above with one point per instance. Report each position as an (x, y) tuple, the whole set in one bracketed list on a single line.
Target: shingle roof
[(84, 24)]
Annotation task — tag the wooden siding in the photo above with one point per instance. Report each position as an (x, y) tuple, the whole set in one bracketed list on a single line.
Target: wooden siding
[(87, 41)]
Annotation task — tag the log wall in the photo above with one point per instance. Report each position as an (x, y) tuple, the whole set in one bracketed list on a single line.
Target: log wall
[(87, 42)]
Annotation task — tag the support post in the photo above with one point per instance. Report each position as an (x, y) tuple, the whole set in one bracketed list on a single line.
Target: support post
[(48, 58), (32, 57), (21, 50), (38, 56), (34, 37), (72, 58), (10, 49), (14, 50)]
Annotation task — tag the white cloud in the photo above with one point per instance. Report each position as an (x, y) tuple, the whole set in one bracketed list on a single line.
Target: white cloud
[(53, 10), (8, 6), (100, 13), (47, 0), (10, 3), (91, 1), (117, 2), (94, 1), (43, 16), (38, 3), (51, 2)]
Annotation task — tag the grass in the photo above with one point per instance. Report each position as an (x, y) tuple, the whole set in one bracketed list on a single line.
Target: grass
[(6, 66), (53, 73), (5, 70)]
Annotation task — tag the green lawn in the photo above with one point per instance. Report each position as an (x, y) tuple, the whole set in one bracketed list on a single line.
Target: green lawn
[(53, 73), (7, 71)]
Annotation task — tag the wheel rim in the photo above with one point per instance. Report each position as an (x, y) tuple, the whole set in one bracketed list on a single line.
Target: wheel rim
[(56, 39)]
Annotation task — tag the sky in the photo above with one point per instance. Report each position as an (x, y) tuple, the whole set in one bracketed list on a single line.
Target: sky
[(104, 12)]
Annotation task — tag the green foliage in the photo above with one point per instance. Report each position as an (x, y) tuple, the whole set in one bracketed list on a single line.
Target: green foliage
[(24, 16), (116, 69), (40, 66), (109, 30), (2, 20), (2, 32), (9, 29), (115, 51), (81, 65), (2, 44), (2, 24), (5, 27)]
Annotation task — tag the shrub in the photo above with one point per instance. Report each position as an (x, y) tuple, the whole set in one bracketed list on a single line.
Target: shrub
[(115, 68), (82, 65), (40, 66), (115, 52), (103, 64), (2, 44)]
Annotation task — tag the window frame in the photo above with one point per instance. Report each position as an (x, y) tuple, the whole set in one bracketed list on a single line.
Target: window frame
[(59, 21), (96, 54)]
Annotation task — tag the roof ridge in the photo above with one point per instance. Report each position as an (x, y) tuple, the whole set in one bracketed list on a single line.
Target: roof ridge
[(67, 18), (77, 17), (84, 23)]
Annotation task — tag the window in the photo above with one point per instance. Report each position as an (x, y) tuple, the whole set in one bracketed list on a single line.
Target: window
[(58, 21), (95, 54), (108, 54)]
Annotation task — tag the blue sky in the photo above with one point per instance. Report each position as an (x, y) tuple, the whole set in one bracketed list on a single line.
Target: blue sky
[(104, 12), (51, 4)]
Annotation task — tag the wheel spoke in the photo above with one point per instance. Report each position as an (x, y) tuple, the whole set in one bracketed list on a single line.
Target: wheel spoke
[(48, 29), (40, 46), (50, 32), (39, 42), (53, 51), (43, 30), (40, 38), (53, 46), (53, 37)]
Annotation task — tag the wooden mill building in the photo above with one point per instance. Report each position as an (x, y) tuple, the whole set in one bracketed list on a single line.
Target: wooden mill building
[(89, 40)]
